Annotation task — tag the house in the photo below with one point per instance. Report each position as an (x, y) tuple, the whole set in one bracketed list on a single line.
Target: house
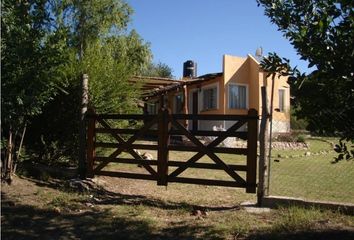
[(233, 91)]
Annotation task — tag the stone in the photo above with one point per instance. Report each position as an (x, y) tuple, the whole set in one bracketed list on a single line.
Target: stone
[(147, 156)]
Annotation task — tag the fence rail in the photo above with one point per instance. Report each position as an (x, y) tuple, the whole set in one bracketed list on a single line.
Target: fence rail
[(168, 125)]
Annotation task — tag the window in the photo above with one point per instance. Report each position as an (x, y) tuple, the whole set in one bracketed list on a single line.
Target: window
[(281, 100), (152, 108), (237, 96), (210, 98), (178, 103)]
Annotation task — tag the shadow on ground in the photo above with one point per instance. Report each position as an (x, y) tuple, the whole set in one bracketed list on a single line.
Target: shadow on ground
[(105, 197), (20, 221), (28, 222)]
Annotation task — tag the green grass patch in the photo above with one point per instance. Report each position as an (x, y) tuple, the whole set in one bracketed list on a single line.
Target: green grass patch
[(312, 177)]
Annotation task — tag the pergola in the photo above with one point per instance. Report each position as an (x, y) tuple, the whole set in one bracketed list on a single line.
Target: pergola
[(155, 87)]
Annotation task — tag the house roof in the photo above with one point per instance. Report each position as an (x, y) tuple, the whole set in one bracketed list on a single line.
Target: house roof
[(155, 86), (211, 75)]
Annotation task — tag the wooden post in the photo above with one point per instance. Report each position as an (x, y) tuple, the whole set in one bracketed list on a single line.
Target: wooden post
[(82, 130), (263, 142), (252, 126), (185, 105), (163, 142), (91, 138)]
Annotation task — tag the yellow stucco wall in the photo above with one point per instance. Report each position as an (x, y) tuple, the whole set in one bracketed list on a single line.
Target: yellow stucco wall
[(217, 81), (247, 71), (243, 71)]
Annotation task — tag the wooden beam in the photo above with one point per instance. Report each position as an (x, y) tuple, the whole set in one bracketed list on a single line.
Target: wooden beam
[(252, 126), (126, 175), (209, 182), (163, 142), (171, 163), (91, 150)]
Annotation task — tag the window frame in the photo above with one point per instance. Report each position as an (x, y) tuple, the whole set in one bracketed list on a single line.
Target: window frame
[(229, 95), (283, 109), (175, 102), (153, 105), (208, 87)]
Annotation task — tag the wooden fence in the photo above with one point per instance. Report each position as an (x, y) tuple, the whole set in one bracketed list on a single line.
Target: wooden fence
[(162, 126)]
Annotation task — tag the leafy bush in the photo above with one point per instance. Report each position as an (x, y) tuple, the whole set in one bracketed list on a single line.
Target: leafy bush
[(290, 137)]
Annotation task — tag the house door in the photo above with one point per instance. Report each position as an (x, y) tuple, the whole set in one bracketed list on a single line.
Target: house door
[(195, 110)]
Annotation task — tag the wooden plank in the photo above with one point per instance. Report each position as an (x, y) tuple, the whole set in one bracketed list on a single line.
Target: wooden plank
[(226, 117), (118, 145), (90, 151), (209, 182), (221, 117), (162, 152), (171, 163), (251, 177), (125, 117), (124, 131), (126, 175), (238, 151), (241, 135)]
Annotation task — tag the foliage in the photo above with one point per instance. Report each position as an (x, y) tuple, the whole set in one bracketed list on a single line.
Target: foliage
[(46, 47), (102, 48), (131, 50), (296, 123), (109, 89), (97, 32), (158, 70), (88, 21), (33, 58), (290, 137), (321, 31), (343, 151)]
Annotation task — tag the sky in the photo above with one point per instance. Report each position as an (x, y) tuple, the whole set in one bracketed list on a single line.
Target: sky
[(205, 30)]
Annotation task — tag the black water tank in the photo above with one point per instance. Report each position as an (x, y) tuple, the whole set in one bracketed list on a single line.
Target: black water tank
[(190, 69)]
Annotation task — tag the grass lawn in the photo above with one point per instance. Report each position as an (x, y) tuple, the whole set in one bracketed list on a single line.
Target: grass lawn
[(312, 177)]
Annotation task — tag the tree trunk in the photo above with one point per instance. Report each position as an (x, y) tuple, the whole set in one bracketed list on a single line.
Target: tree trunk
[(20, 148), (82, 130), (9, 158), (271, 111), (263, 142)]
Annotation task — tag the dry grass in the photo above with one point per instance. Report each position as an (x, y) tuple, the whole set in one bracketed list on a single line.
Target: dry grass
[(131, 209)]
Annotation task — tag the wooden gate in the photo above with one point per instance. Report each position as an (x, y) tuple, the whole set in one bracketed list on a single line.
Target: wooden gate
[(162, 127)]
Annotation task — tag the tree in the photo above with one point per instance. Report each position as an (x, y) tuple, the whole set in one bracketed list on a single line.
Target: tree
[(31, 62), (158, 70), (101, 47), (321, 31), (97, 34)]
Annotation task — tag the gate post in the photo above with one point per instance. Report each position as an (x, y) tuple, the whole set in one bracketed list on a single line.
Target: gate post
[(91, 135), (252, 132), (162, 149)]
